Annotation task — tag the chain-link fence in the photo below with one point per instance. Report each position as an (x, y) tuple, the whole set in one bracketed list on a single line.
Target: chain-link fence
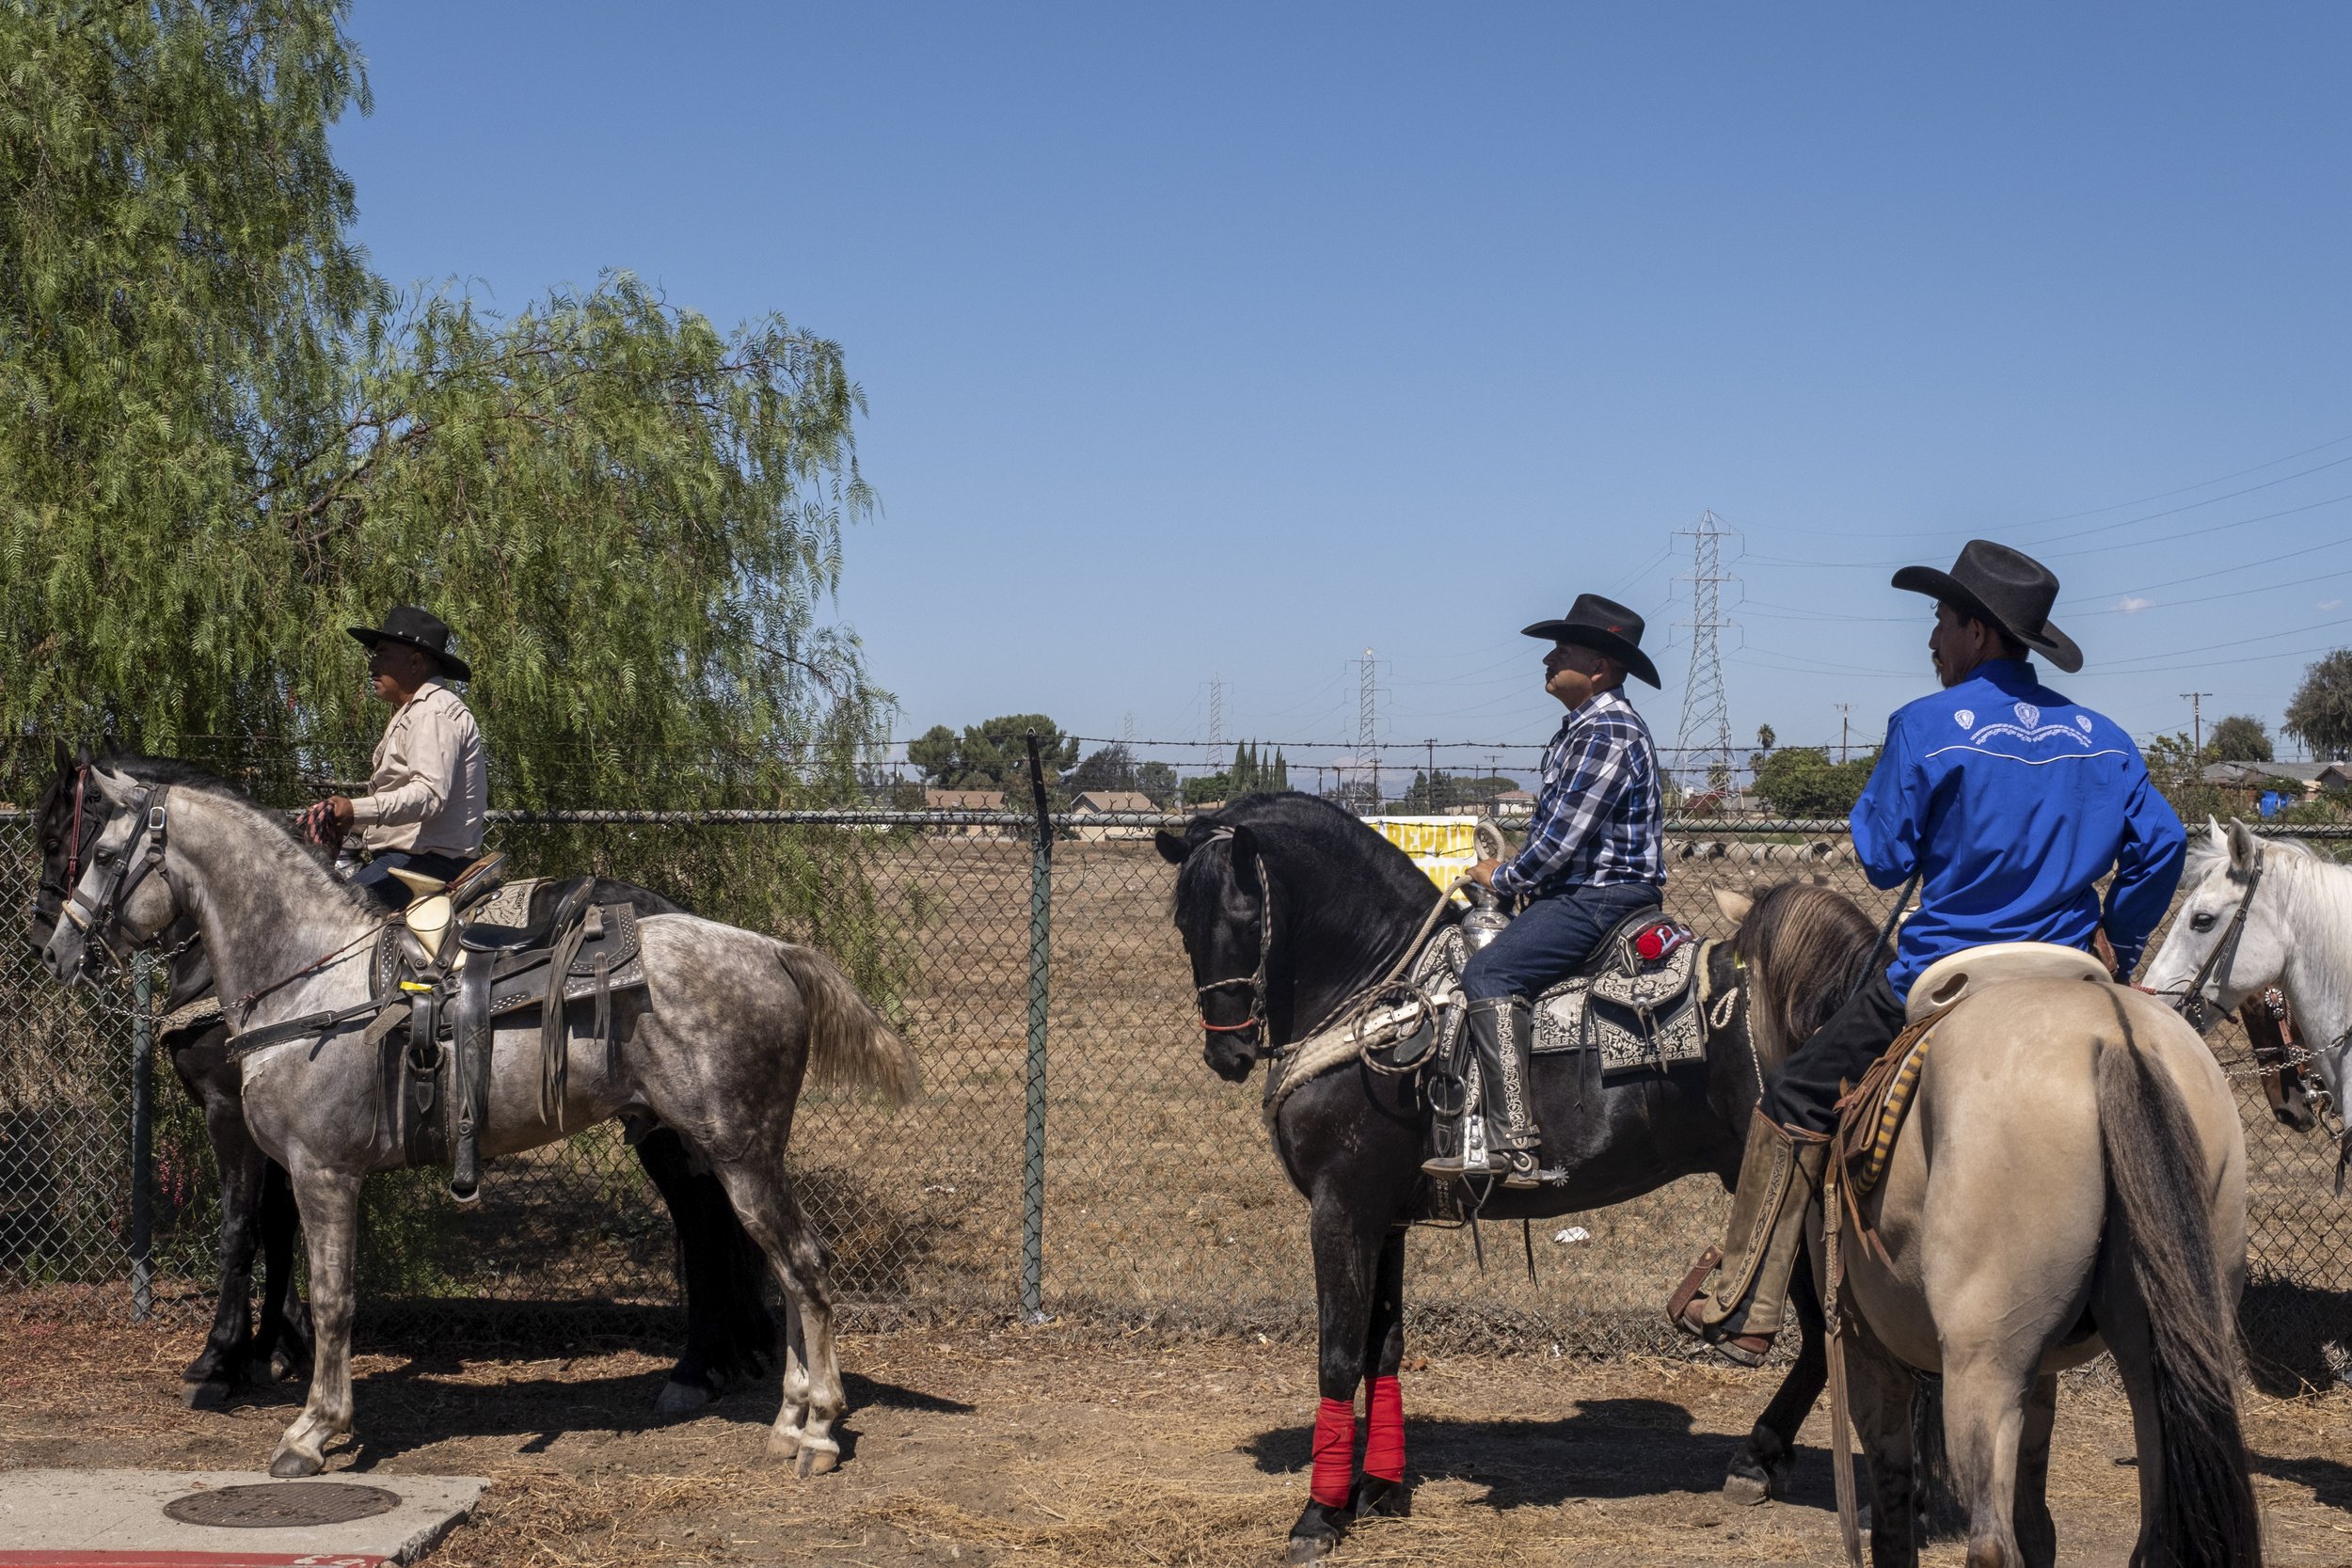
[(1070, 1152)]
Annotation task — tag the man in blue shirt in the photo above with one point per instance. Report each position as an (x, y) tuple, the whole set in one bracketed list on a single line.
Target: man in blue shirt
[(2008, 802), (1593, 857)]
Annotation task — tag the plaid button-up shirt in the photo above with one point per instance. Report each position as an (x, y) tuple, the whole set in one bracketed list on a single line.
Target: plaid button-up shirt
[(1599, 818)]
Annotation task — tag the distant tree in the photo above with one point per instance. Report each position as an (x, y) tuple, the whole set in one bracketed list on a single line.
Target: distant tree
[(1157, 780), (1765, 738), (1113, 767), (992, 754), (2240, 737), (2320, 714), (1208, 787), (1802, 781)]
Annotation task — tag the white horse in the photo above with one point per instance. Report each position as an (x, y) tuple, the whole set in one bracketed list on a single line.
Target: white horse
[(2264, 912)]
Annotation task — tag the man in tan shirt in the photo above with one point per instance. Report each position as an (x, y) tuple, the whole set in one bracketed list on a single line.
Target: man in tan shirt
[(430, 785)]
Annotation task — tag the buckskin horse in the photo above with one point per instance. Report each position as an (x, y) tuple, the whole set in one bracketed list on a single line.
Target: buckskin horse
[(1289, 907), (2071, 1180), (729, 1333), (715, 1045)]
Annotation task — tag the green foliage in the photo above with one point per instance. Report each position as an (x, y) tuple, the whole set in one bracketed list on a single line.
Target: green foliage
[(993, 755), (226, 443), (1156, 780), (2240, 737), (2320, 714), (1111, 767), (1452, 789), (1801, 781), (1209, 787)]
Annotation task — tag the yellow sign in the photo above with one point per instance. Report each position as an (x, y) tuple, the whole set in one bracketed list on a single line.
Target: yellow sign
[(1443, 846)]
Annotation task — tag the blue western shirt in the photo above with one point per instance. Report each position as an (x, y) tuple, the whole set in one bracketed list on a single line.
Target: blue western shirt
[(2013, 802)]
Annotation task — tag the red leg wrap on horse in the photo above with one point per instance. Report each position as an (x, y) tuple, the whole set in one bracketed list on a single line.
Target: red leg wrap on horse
[(1335, 1453), (1384, 1431)]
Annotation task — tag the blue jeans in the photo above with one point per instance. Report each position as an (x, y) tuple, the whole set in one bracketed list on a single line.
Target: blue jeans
[(390, 891), (1550, 937)]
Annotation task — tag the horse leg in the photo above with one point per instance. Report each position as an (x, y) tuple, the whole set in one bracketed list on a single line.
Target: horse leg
[(1759, 1471), (1347, 1252), (1381, 1488), (762, 1196), (330, 1225), (226, 1361), (729, 1333), (285, 1332), (1882, 1390), (2037, 1531), (1985, 1394)]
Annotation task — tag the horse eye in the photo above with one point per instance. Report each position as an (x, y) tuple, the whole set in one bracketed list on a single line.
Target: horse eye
[(2203, 922)]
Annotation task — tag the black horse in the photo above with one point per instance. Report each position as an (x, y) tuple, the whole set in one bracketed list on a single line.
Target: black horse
[(1289, 907), (730, 1333)]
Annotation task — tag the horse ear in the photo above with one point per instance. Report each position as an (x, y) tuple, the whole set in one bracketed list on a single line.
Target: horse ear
[(1172, 849), (2220, 840), (1245, 851), (1733, 905), (114, 788), (65, 758), (2244, 846)]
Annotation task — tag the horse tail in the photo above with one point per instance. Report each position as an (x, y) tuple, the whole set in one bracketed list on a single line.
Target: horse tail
[(848, 1044), (2206, 1515)]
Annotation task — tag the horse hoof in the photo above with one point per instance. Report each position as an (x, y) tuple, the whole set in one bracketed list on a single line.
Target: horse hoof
[(1747, 1490), (291, 1465), (783, 1443), (818, 1456), (677, 1400), (213, 1395), (1312, 1548), (289, 1369)]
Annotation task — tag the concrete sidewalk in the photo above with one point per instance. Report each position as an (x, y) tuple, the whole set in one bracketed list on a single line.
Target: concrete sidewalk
[(117, 1519)]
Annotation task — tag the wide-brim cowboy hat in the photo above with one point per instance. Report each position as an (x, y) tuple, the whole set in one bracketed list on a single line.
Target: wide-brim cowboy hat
[(2002, 588), (419, 629), (1605, 627)]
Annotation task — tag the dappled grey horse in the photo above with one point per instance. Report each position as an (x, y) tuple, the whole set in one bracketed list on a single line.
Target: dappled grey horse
[(716, 1046)]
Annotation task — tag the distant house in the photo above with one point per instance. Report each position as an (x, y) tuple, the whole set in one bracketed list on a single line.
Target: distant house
[(2306, 778), (967, 799), (1106, 802)]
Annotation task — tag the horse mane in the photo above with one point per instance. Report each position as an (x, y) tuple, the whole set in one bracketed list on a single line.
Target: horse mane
[(1343, 884), (1808, 948), (283, 843)]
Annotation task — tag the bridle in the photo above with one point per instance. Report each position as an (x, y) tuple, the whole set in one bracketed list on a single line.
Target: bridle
[(2192, 1003), (48, 898), (1261, 1045), (102, 917)]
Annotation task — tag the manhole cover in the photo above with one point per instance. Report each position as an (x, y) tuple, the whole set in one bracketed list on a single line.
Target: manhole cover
[(286, 1505)]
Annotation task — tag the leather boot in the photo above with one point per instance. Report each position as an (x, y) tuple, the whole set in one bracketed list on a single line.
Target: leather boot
[(1736, 1297), (1501, 1030)]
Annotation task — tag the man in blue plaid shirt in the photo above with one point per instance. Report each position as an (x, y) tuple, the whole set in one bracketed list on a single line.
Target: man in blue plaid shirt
[(1593, 857)]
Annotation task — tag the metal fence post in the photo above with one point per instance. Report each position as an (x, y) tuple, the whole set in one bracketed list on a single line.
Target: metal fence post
[(1033, 1142), (142, 1139)]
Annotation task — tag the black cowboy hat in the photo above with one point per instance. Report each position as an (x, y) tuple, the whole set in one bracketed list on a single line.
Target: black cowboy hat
[(2002, 588), (419, 629), (1605, 627)]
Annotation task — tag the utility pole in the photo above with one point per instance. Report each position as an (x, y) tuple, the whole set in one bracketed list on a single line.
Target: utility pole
[(1844, 710), (1703, 744), (1432, 801), (2195, 723), (1216, 715), (1368, 721)]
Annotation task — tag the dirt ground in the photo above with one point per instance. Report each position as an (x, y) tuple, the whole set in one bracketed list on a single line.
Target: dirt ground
[(1060, 1447)]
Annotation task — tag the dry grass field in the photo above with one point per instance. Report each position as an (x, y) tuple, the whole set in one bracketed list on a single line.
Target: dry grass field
[(1057, 1448)]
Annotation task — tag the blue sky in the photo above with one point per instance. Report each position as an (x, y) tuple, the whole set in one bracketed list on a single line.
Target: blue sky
[(1234, 339)]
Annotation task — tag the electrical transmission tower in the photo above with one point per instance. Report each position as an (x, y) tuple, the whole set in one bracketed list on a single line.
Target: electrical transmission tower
[(1368, 720), (1702, 745), (1216, 715)]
